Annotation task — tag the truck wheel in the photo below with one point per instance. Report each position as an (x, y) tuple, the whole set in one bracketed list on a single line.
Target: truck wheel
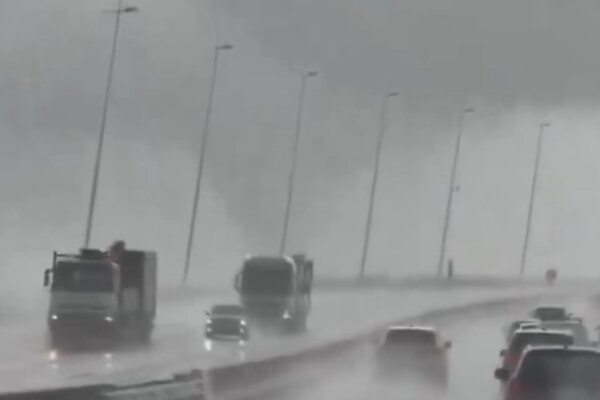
[(295, 327), (301, 326), (145, 335), (290, 327)]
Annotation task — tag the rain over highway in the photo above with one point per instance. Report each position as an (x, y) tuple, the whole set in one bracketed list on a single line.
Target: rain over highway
[(258, 191)]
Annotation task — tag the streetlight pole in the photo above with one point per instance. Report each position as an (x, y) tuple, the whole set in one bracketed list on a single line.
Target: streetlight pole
[(92, 205), (292, 174), (536, 168), (461, 125), (382, 128), (199, 174)]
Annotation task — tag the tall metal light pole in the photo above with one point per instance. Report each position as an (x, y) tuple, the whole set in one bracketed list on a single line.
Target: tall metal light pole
[(382, 128), (204, 140), (92, 205), (447, 219), (292, 174), (536, 168)]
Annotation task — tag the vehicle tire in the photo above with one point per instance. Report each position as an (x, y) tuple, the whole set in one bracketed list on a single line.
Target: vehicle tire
[(290, 327), (303, 326), (145, 335)]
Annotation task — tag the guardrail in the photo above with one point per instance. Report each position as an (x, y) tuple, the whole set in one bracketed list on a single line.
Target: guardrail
[(383, 281), (423, 281), (188, 386), (273, 377)]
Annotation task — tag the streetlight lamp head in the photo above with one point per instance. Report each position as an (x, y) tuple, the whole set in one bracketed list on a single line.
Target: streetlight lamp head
[(469, 110), (312, 74), (130, 9), (225, 46), (393, 94), (545, 125)]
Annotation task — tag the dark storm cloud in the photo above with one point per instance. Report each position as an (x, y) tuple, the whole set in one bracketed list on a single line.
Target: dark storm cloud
[(515, 61), (545, 50)]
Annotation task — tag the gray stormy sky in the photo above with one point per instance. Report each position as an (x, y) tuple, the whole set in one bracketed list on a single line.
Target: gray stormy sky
[(517, 62)]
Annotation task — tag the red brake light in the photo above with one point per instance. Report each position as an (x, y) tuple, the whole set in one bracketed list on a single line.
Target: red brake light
[(515, 389)]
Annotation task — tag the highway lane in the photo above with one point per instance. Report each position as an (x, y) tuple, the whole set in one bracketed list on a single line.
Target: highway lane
[(178, 345), (477, 339)]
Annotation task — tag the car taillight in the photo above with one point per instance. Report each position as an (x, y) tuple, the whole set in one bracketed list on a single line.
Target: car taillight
[(515, 390)]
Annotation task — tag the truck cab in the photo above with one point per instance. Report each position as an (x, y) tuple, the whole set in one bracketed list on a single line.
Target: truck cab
[(101, 294)]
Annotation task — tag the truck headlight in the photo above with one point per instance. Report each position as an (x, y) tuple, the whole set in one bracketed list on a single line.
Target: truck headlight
[(243, 322), (54, 317), (53, 355), (286, 315), (108, 318)]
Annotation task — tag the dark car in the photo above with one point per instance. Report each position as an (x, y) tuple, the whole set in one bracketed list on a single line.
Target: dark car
[(531, 337), (550, 313), (554, 373), (416, 353), (226, 322)]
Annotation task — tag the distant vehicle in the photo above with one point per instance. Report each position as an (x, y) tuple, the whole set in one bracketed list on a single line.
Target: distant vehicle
[(550, 313), (413, 352), (226, 322), (107, 295), (577, 328), (531, 337), (276, 291), (519, 324), (553, 372), (551, 276)]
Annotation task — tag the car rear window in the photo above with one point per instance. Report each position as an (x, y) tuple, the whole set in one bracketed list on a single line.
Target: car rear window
[(551, 369), (551, 313), (579, 331), (522, 339), (410, 337), (233, 310)]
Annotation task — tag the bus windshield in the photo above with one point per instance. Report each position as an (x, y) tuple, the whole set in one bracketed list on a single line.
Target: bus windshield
[(267, 279)]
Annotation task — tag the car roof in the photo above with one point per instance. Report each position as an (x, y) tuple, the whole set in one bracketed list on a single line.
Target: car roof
[(411, 328), (525, 320), (542, 330), (565, 348), (530, 326), (520, 322)]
